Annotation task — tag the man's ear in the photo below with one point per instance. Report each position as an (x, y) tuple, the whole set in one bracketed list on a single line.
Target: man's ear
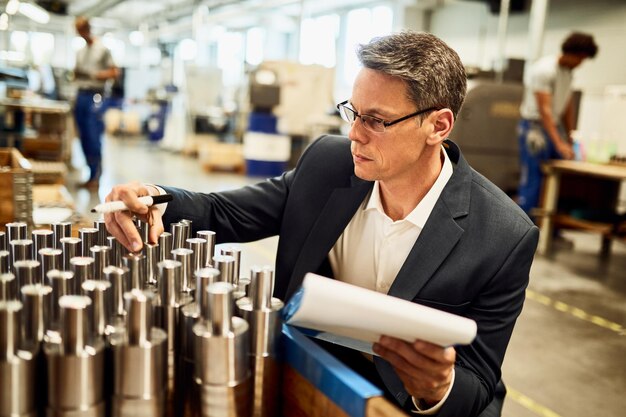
[(443, 122)]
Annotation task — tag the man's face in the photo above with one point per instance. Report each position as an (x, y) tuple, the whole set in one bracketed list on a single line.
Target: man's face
[(394, 155), (83, 31)]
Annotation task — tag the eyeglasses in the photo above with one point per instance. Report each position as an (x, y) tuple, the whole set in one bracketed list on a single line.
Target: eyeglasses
[(372, 123)]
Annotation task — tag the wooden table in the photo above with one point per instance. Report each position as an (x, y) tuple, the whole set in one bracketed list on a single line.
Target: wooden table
[(599, 183)]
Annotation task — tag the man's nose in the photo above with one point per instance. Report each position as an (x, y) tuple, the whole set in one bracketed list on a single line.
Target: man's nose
[(356, 132)]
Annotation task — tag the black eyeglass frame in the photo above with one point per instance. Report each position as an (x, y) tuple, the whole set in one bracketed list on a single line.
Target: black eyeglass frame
[(385, 124)]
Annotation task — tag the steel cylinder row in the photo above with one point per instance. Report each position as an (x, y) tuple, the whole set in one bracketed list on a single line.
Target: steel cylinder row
[(88, 329)]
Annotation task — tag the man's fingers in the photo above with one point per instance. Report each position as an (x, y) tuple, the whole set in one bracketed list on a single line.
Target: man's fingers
[(157, 225), (129, 231), (115, 230)]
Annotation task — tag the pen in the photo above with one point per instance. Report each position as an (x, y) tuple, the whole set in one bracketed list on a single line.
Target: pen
[(148, 200)]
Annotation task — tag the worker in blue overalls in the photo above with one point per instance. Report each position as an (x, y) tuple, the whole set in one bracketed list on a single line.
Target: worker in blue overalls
[(548, 114), (94, 68)]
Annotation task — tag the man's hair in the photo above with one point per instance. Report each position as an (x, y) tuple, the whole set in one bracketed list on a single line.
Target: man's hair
[(82, 21), (580, 44), (432, 71)]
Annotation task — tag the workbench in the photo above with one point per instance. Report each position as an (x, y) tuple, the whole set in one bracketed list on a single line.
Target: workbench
[(595, 185)]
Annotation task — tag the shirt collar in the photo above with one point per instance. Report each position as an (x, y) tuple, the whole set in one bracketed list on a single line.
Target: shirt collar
[(422, 211)]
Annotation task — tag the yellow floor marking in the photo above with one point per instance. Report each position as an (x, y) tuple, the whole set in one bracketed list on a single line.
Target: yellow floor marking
[(575, 312), (529, 403)]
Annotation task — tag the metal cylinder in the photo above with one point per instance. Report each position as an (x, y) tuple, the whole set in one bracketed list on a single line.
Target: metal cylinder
[(139, 361), (101, 238), (263, 314), (89, 238), (27, 272), (190, 314), (16, 231), (117, 251), (82, 266), (152, 259), (101, 257), (61, 230), (188, 229), (226, 265), (62, 283), (4, 261), (76, 365), (50, 258), (136, 264), (222, 357), (184, 256), (209, 236), (3, 241), (8, 287), (144, 231), (17, 368), (178, 231), (35, 316), (21, 250), (165, 245), (42, 238), (117, 277), (198, 259), (100, 309), (235, 252), (71, 249), (170, 282)]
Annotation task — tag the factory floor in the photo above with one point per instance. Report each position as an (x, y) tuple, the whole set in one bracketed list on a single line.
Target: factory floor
[(567, 356)]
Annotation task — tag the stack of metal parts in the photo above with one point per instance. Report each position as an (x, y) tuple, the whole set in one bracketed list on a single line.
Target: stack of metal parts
[(89, 329), (23, 195)]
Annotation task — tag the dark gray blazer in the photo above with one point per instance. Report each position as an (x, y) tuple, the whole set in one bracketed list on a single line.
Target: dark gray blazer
[(472, 258)]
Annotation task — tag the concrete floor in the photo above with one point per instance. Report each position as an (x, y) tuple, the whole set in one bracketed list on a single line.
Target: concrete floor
[(567, 356)]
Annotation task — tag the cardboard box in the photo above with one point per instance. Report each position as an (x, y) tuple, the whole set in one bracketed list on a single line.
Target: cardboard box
[(16, 187)]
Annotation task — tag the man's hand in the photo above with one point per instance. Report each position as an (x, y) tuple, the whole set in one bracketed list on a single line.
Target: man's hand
[(120, 224), (565, 149), (424, 368)]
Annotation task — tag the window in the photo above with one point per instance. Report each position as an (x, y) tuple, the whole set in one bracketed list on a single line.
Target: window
[(318, 40)]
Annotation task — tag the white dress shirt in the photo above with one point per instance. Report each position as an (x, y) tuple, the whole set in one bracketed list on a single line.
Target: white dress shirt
[(373, 248)]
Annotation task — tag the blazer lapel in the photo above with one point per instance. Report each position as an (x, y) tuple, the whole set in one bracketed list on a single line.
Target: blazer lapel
[(441, 232), (331, 222)]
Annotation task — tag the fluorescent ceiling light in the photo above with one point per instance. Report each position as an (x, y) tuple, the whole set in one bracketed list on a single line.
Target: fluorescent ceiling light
[(34, 12)]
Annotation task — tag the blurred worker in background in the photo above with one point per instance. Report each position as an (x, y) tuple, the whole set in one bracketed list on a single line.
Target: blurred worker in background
[(94, 67), (548, 113)]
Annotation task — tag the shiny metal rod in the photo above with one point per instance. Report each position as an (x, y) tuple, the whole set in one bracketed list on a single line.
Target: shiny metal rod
[(42, 238), (36, 302), (165, 246), (136, 264), (117, 251), (62, 283), (178, 235), (101, 239), (74, 323), (4, 261), (209, 236), (61, 230), (27, 272), (21, 250), (8, 287), (101, 257), (100, 310), (117, 277), (235, 252), (184, 256), (152, 259), (50, 258), (82, 266), (71, 249), (89, 238), (226, 265)]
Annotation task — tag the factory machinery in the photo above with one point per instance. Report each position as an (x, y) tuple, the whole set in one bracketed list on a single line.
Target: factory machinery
[(88, 329)]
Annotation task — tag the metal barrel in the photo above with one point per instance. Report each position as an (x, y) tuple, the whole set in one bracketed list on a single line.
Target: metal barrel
[(198, 258), (3, 241), (136, 264), (235, 252), (117, 251), (42, 238), (222, 357), (61, 230), (101, 257), (141, 351), (152, 259), (178, 231), (4, 261), (71, 249), (100, 310), (165, 246), (209, 236), (184, 256), (101, 237), (27, 272), (226, 265), (117, 277), (17, 371), (144, 231), (263, 313), (8, 287), (50, 258), (62, 283), (16, 231), (89, 238), (82, 266), (36, 314), (75, 365), (21, 250)]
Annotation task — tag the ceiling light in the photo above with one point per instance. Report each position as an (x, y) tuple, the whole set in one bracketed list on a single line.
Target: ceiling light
[(34, 12)]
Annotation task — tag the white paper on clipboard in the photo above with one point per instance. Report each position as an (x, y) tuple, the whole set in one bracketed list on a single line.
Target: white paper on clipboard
[(345, 311)]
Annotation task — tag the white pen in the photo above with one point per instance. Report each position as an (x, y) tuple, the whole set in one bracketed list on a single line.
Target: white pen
[(148, 200)]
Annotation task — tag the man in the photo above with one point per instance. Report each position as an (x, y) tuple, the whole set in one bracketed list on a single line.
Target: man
[(397, 209), (548, 113), (94, 67)]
